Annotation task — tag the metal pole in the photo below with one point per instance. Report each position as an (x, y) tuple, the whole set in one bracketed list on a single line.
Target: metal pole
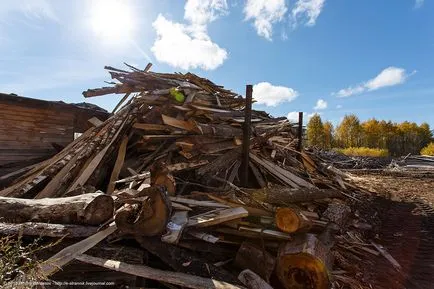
[(300, 131), (247, 132)]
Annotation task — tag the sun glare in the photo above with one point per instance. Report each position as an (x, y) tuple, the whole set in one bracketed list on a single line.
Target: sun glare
[(112, 20)]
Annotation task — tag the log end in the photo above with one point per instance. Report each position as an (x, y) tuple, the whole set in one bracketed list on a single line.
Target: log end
[(302, 271), (99, 210)]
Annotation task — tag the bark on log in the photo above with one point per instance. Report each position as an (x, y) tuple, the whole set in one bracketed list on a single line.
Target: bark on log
[(250, 256), (291, 220), (185, 261), (304, 263), (87, 209), (47, 230), (283, 196)]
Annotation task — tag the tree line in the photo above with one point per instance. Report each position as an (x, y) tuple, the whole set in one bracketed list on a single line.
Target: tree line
[(398, 138)]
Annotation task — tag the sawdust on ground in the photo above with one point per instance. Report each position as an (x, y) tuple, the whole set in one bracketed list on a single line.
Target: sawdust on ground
[(399, 188)]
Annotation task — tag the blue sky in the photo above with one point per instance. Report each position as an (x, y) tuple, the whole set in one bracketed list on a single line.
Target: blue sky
[(372, 58)]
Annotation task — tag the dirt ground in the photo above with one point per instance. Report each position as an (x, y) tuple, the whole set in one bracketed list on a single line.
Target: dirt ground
[(399, 186), (405, 207)]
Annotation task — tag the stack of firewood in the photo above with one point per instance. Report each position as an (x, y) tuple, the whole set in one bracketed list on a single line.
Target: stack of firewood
[(164, 169)]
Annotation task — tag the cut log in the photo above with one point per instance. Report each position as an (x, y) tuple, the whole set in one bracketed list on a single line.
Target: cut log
[(304, 263), (250, 256), (181, 279), (283, 196), (86, 209), (253, 281), (185, 261), (47, 230), (146, 218), (291, 220)]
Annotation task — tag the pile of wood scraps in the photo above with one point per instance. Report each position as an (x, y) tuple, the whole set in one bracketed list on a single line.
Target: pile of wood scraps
[(165, 170)]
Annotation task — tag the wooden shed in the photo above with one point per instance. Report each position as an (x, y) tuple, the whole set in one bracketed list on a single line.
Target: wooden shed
[(32, 129)]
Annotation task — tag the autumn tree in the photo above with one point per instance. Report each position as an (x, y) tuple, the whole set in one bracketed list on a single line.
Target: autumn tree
[(349, 131), (328, 135), (315, 131), (371, 133)]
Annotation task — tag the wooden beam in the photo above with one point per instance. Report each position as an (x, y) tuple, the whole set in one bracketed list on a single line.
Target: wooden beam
[(247, 132), (300, 131), (118, 165), (181, 279)]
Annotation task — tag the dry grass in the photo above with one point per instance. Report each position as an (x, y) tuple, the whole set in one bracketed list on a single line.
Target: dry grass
[(364, 152), (428, 150), (18, 258)]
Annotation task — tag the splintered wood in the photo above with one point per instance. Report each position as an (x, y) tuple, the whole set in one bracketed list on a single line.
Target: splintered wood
[(166, 169)]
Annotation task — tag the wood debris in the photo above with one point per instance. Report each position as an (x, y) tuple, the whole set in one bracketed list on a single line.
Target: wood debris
[(166, 168)]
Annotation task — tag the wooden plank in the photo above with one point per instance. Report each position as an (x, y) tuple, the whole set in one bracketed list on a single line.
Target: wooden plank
[(51, 189), (118, 165), (258, 175), (82, 179), (182, 124), (186, 166), (218, 217), (57, 261), (95, 121), (181, 279), (386, 255), (197, 203), (151, 127), (121, 101), (278, 171)]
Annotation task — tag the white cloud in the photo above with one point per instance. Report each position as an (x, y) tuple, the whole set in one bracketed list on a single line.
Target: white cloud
[(388, 77), (418, 3), (271, 95), (320, 104), (188, 45), (264, 14), (350, 91), (338, 106), (311, 9), (293, 116), (177, 46), (202, 12)]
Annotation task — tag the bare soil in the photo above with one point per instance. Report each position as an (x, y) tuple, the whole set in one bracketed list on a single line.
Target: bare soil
[(404, 206), (400, 187)]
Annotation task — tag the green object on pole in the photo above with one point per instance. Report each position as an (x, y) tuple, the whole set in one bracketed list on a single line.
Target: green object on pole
[(177, 95)]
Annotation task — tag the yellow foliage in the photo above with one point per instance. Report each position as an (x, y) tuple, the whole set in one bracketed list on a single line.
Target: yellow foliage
[(364, 152), (428, 150)]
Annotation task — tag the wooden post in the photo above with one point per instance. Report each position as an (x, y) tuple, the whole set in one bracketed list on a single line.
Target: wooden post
[(300, 131), (247, 133)]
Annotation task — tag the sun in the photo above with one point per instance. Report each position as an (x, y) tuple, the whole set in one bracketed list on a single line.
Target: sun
[(112, 20)]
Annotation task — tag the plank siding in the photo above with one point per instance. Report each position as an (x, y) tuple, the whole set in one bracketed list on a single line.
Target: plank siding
[(28, 127)]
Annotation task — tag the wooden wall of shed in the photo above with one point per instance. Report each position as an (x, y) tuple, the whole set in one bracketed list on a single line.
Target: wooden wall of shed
[(26, 133), (28, 127)]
